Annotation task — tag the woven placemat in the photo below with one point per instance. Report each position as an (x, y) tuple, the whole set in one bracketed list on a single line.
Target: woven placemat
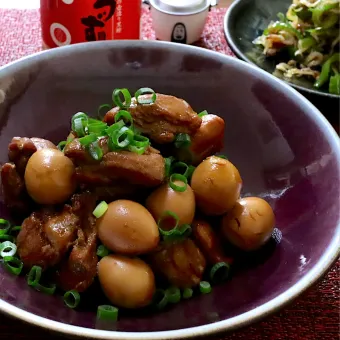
[(313, 316)]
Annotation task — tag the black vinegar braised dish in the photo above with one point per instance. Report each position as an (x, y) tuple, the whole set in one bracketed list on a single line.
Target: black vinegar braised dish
[(138, 201)]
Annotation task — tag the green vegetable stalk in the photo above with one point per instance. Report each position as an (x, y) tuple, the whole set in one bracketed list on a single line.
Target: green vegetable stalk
[(334, 84), (326, 69), (282, 26)]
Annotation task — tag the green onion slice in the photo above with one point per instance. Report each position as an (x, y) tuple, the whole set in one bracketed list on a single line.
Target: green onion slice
[(140, 141), (95, 151), (102, 251), (187, 293), (33, 280), (114, 127), (173, 294), (7, 248), (85, 141), (145, 90), (203, 113), (137, 149), (98, 128), (124, 116), (169, 227), (123, 137), (117, 98), (176, 187), (4, 226), (13, 265), (103, 108), (7, 238), (100, 209), (160, 299), (182, 140), (61, 145), (34, 276), (107, 313), (205, 287), (219, 272), (168, 163), (72, 299), (222, 156), (79, 124), (168, 220)]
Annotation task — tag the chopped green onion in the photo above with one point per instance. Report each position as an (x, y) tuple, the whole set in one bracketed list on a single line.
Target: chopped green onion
[(95, 151), (79, 124), (33, 280), (72, 299), (7, 248), (185, 230), (7, 238), (187, 293), (114, 127), (173, 294), (182, 140), (50, 290), (61, 145), (140, 141), (97, 128), (100, 209), (187, 169), (160, 299), (173, 230), (102, 251), (123, 137), (124, 116), (4, 226), (168, 162), (137, 149), (116, 97), (203, 113), (107, 313), (34, 276), (105, 107), (178, 177), (222, 156), (219, 272), (205, 287), (85, 141), (15, 229), (334, 84), (13, 265), (145, 90)]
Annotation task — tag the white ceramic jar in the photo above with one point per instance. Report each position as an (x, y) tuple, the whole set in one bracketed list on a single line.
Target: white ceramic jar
[(180, 21)]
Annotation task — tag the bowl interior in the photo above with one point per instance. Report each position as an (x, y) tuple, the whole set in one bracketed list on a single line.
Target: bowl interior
[(245, 21), (272, 136)]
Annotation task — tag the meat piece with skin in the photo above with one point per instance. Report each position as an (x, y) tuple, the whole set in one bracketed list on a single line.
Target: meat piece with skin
[(182, 263), (207, 141), (209, 242), (80, 268), (20, 149), (161, 120), (46, 236), (147, 170), (13, 189)]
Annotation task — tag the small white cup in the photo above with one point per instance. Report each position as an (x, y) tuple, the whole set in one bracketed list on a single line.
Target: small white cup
[(180, 21)]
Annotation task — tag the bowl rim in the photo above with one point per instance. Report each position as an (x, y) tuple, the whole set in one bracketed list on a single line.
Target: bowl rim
[(311, 277), (227, 25)]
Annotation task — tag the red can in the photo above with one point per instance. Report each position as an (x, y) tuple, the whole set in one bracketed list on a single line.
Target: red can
[(65, 22)]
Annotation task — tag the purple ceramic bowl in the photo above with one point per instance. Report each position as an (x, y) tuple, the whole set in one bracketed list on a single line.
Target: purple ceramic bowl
[(284, 148)]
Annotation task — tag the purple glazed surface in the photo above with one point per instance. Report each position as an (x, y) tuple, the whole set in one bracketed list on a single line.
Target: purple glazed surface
[(284, 149)]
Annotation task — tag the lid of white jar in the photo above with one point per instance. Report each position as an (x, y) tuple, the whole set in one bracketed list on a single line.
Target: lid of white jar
[(180, 7)]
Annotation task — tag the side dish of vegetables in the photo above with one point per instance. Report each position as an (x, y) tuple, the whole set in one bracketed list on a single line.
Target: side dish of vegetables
[(138, 201), (309, 33)]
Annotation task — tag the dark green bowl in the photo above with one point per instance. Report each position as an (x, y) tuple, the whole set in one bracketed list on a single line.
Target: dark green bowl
[(244, 21)]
